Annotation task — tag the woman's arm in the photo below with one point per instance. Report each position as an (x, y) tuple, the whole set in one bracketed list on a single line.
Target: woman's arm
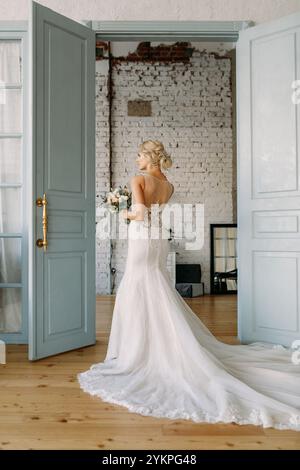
[(137, 185)]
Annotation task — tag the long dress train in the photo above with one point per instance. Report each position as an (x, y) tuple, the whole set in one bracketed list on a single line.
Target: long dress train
[(162, 361)]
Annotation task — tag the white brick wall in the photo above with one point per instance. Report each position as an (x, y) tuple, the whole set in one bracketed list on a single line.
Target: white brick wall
[(191, 115), (102, 173)]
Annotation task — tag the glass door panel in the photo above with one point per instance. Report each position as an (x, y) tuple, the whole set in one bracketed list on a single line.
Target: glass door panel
[(10, 109), (11, 61), (13, 305), (10, 260), (10, 161), (10, 310), (10, 210)]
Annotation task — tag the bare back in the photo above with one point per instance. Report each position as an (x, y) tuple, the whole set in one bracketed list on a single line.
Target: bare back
[(157, 190)]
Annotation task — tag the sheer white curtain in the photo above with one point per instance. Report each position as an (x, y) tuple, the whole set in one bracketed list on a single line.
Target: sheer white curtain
[(10, 173)]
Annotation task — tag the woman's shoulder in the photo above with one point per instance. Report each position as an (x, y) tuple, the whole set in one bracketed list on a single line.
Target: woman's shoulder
[(137, 179)]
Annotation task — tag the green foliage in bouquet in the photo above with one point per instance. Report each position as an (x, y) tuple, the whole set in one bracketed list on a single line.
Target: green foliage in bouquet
[(118, 199)]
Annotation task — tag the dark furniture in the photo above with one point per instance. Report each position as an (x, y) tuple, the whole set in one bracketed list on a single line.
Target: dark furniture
[(188, 280)]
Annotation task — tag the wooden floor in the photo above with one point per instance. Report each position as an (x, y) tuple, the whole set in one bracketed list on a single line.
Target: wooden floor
[(42, 406)]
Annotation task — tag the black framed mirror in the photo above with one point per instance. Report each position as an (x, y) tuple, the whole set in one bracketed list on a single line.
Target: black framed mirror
[(223, 258)]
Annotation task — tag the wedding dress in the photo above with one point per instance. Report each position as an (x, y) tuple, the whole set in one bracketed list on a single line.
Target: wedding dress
[(162, 361)]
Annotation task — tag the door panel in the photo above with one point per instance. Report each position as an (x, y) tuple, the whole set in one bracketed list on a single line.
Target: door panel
[(268, 63), (63, 100)]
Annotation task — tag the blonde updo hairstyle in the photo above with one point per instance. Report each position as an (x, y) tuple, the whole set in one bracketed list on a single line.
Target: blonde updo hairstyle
[(156, 153)]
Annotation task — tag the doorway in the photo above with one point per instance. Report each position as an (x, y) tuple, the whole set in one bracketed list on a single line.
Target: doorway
[(183, 93)]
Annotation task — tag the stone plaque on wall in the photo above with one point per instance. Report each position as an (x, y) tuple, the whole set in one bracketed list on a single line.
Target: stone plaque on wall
[(139, 108)]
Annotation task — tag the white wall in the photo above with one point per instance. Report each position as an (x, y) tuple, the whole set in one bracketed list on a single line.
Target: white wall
[(256, 10)]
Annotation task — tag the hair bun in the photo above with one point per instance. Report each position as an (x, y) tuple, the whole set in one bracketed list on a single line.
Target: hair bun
[(155, 151), (165, 161)]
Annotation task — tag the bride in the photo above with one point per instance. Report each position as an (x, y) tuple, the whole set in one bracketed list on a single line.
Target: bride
[(161, 360)]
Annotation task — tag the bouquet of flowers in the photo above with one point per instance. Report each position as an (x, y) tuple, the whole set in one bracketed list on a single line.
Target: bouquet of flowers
[(118, 199)]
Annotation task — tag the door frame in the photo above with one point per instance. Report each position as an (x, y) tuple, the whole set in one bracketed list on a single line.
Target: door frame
[(201, 31), (223, 31)]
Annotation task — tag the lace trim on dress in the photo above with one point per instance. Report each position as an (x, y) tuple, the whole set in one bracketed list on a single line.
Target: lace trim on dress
[(232, 413)]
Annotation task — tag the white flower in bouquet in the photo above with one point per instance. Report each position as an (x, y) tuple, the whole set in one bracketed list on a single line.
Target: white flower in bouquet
[(118, 199)]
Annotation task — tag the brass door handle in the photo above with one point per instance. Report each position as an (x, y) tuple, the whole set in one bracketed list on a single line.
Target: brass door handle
[(42, 202)]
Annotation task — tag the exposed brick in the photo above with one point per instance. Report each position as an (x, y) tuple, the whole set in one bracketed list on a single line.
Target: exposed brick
[(191, 115)]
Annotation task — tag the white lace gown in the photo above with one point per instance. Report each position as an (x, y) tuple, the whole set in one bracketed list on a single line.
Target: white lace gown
[(162, 361)]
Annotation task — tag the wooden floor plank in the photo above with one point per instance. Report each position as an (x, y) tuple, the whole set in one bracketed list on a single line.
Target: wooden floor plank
[(43, 407)]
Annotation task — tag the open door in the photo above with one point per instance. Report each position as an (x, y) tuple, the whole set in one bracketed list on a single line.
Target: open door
[(62, 297), (268, 125)]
